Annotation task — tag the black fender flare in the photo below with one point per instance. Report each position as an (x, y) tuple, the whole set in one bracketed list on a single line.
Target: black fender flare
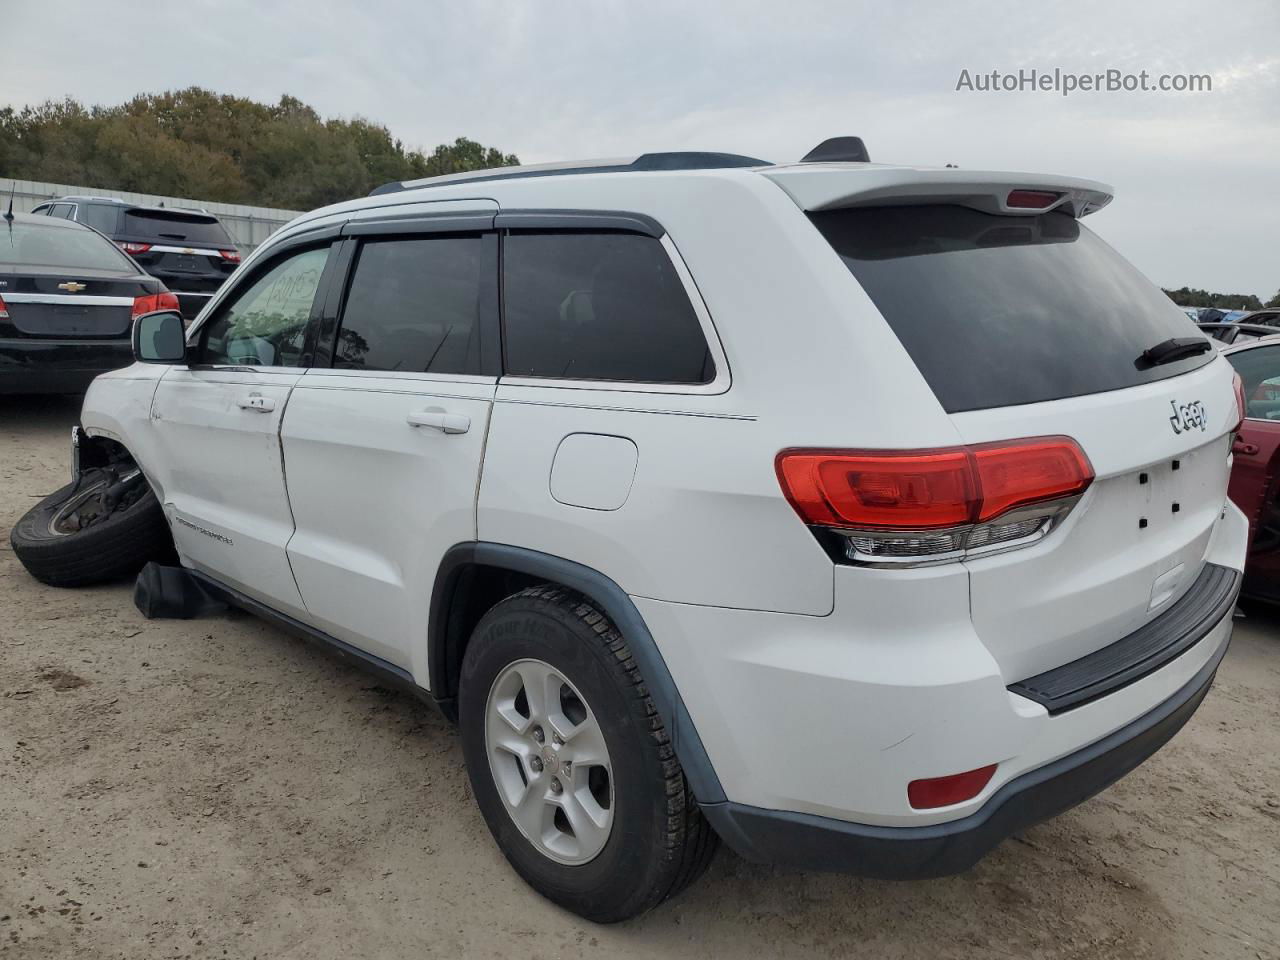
[(619, 608)]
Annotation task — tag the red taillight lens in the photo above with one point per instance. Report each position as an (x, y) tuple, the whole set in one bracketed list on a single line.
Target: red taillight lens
[(1032, 199), (919, 489), (231, 256), (930, 489), (154, 302), (1029, 471), (944, 791), (1240, 406), (4, 310), (133, 248)]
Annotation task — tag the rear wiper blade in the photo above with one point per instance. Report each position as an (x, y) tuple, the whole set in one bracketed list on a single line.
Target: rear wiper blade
[(1176, 348)]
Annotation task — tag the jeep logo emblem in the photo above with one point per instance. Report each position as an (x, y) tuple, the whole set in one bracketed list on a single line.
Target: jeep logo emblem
[(1189, 416)]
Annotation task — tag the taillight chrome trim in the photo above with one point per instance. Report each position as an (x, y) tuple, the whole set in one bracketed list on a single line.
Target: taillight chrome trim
[(1052, 514)]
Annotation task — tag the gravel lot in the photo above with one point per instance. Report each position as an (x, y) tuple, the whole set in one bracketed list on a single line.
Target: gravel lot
[(216, 788)]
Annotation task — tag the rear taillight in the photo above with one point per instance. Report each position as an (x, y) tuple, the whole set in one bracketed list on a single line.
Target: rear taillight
[(1240, 408), (899, 506), (135, 248), (1031, 199), (4, 310), (944, 791), (154, 302), (231, 256)]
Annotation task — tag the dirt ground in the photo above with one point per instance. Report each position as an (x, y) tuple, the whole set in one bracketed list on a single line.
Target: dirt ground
[(216, 788)]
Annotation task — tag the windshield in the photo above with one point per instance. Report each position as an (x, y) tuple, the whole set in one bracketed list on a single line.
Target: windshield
[(25, 243), (188, 228), (997, 310)]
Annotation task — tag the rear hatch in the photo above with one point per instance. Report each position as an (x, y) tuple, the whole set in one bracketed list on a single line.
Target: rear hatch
[(59, 280), (190, 251), (1026, 324)]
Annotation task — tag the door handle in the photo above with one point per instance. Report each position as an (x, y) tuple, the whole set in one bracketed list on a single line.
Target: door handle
[(255, 401), (1244, 447), (439, 419)]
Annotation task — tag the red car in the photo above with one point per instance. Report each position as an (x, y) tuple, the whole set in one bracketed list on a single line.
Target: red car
[(1254, 486)]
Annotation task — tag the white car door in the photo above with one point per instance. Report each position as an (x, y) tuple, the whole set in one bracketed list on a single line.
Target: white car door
[(382, 450), (217, 426)]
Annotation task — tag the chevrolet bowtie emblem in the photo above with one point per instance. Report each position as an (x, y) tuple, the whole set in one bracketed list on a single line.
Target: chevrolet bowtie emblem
[(71, 286)]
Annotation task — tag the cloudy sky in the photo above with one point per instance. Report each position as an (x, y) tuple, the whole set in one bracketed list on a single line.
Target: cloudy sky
[(1197, 175)]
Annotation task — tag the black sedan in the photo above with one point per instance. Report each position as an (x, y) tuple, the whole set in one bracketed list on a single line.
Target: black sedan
[(68, 297)]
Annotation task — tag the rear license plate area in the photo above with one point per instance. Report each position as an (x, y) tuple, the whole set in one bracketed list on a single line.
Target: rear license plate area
[(1165, 493)]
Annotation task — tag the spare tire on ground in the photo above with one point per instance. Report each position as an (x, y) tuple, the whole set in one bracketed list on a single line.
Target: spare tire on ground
[(102, 527)]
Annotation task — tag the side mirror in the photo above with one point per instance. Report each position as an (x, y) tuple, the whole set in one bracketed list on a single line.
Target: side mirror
[(159, 337)]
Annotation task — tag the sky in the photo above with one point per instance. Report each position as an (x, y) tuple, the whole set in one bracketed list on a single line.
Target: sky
[(1196, 174)]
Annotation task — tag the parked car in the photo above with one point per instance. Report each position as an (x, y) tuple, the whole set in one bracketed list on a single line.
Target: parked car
[(67, 301), (1255, 484), (1225, 334), (1262, 318), (189, 249), (835, 511)]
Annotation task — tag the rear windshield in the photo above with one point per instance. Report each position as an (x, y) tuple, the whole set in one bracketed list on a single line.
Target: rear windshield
[(162, 225), (24, 243), (997, 311)]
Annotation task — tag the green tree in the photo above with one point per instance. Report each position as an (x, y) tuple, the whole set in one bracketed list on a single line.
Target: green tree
[(1274, 301), (1186, 297), (209, 146)]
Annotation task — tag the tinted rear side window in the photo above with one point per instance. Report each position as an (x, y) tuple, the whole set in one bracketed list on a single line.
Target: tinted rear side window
[(100, 216), (599, 306), (997, 311), (415, 306), (175, 227)]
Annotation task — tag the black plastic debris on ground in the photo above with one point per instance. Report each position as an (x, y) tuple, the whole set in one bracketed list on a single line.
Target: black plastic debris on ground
[(171, 593)]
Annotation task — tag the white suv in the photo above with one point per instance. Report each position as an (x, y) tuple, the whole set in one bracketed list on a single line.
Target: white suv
[(856, 515)]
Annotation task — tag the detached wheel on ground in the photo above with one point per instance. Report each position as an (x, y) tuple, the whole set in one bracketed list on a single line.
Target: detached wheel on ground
[(570, 763), (102, 527)]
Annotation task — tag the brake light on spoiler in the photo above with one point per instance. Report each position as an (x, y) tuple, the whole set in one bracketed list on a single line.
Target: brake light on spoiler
[(913, 506)]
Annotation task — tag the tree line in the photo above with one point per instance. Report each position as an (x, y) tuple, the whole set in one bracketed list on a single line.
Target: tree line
[(1186, 297), (209, 146)]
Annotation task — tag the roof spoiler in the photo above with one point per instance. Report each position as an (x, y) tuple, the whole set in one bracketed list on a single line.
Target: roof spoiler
[(816, 188)]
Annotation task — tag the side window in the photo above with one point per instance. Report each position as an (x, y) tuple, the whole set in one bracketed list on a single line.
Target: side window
[(265, 323), (1259, 368), (101, 216), (62, 210), (415, 306), (599, 306)]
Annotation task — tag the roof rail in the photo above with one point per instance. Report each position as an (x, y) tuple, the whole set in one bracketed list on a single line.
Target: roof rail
[(679, 160)]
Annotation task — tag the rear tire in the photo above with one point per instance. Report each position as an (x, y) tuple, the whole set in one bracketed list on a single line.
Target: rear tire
[(658, 841), (114, 546)]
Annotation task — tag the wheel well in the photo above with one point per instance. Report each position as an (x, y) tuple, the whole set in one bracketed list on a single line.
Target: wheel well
[(468, 593), (100, 452), (91, 453)]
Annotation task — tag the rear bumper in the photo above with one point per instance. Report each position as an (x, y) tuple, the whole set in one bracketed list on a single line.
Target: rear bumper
[(58, 366), (810, 842)]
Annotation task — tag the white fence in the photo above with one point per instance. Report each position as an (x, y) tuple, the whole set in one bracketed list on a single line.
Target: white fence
[(248, 226)]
